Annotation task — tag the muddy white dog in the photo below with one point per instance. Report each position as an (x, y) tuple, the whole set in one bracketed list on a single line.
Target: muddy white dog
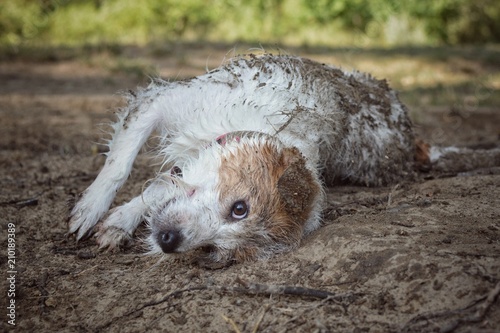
[(247, 148)]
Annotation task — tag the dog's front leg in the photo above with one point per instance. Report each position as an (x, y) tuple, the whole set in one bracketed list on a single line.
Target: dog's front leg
[(132, 130), (119, 226)]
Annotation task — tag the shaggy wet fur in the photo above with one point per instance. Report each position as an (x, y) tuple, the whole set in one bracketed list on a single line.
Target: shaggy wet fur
[(247, 148)]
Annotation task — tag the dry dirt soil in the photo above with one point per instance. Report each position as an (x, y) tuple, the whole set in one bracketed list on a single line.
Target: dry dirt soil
[(423, 256)]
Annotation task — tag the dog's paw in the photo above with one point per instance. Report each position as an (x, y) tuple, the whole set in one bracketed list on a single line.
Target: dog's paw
[(82, 220), (112, 238), (90, 208), (119, 227)]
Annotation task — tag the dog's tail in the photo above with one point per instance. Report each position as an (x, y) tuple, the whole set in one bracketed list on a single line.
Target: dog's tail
[(454, 160)]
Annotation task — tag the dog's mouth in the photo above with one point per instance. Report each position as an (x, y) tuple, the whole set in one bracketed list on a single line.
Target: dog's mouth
[(173, 241), (204, 256)]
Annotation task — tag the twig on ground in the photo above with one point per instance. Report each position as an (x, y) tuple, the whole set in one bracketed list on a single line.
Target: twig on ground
[(165, 298), (263, 289), (480, 313), (24, 202), (389, 199), (232, 323), (481, 307), (21, 202), (248, 288), (42, 284), (257, 324)]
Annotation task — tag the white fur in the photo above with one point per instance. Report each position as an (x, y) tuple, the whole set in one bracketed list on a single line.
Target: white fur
[(344, 133)]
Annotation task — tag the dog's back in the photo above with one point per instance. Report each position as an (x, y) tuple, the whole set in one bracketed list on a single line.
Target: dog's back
[(362, 130), (348, 124)]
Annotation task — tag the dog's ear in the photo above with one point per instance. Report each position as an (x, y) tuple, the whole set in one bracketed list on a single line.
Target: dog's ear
[(297, 186)]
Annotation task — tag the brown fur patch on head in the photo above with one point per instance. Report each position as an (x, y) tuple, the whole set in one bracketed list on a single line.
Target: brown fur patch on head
[(278, 189), (296, 186)]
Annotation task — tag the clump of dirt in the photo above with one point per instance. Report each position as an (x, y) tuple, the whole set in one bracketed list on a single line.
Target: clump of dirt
[(421, 256)]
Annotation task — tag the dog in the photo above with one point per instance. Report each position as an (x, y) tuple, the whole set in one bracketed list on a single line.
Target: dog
[(247, 150)]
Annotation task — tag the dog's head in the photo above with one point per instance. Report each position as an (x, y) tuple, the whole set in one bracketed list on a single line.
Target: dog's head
[(245, 196)]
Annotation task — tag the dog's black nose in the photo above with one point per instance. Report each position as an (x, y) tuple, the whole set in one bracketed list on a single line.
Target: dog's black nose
[(169, 240)]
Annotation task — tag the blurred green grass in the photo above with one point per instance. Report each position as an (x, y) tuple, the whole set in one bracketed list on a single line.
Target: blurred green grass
[(291, 22)]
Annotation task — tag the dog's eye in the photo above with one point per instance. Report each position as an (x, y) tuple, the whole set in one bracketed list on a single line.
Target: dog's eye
[(176, 171), (239, 210)]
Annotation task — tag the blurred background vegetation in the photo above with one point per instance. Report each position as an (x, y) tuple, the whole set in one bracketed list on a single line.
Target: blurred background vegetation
[(290, 22)]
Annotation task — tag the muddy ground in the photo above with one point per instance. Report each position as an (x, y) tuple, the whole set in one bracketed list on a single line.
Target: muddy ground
[(421, 256)]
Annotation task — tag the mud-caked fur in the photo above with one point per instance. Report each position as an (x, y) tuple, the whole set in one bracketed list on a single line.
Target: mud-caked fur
[(246, 150)]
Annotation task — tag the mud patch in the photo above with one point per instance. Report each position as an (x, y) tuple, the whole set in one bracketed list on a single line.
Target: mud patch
[(423, 256)]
